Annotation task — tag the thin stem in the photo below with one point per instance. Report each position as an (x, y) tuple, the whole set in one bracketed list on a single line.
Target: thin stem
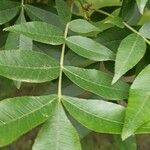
[(62, 59), (127, 25), (62, 64), (22, 3)]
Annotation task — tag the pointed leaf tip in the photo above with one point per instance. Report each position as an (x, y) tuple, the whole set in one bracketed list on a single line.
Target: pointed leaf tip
[(125, 134), (115, 79)]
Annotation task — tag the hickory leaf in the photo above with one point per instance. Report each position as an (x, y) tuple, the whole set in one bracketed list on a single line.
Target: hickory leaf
[(138, 111), (97, 82), (63, 11), (141, 5), (97, 115), (89, 111), (39, 31), (43, 15), (130, 52), (145, 30), (82, 26), (21, 114), (18, 41), (57, 133), (28, 66), (90, 49), (8, 10)]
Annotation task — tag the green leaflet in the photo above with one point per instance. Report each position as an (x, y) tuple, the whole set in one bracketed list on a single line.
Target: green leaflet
[(58, 133), (8, 10), (97, 82), (141, 5), (130, 12), (43, 15), (90, 49), (18, 41), (97, 115), (117, 21), (130, 52), (63, 10), (21, 114), (145, 30), (39, 31), (82, 26), (28, 66), (138, 111)]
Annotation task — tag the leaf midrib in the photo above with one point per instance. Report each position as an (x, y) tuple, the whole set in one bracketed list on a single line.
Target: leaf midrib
[(126, 60), (33, 68), (96, 52), (43, 35), (117, 122), (93, 82)]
